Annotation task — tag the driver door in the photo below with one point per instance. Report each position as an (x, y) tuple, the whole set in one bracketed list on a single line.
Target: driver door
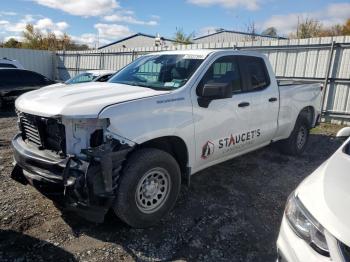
[(223, 129)]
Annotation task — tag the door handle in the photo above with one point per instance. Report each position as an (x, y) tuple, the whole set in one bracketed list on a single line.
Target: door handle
[(273, 99), (243, 104)]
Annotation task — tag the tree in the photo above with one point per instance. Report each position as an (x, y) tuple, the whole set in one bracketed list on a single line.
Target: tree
[(35, 39), (270, 31), (182, 38), (346, 28), (313, 28), (332, 31), (12, 43), (309, 28)]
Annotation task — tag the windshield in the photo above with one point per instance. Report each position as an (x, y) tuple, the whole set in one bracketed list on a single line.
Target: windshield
[(159, 72), (81, 78)]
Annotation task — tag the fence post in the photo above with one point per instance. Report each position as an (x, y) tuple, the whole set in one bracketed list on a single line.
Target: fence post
[(102, 60), (54, 65), (328, 69), (77, 64)]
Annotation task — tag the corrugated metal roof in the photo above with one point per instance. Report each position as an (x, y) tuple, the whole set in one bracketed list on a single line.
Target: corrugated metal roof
[(132, 36), (237, 32)]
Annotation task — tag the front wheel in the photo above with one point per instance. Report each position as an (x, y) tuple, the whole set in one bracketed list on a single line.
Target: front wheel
[(296, 143), (148, 187)]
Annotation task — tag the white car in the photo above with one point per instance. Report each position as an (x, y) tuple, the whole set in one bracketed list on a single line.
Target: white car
[(90, 76), (156, 122), (85, 77), (316, 221)]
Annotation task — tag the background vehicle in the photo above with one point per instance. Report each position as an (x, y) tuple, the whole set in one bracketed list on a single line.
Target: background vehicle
[(9, 63), (14, 82), (315, 226), (87, 76), (155, 123)]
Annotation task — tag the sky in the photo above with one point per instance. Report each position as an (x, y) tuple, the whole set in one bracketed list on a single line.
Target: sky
[(99, 22)]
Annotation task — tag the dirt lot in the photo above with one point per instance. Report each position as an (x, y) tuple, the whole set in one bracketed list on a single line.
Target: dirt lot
[(231, 212)]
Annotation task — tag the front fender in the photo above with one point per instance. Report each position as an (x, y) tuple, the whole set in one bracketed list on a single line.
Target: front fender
[(146, 119)]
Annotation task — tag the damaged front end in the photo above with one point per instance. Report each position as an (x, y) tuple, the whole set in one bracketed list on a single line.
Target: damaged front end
[(80, 171)]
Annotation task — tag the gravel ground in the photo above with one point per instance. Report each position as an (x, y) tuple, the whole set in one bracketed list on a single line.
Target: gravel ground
[(231, 212)]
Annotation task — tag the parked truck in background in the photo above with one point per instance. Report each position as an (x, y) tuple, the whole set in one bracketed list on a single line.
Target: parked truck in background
[(130, 143)]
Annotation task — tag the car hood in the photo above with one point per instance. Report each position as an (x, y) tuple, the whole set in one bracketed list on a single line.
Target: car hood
[(80, 100), (53, 85), (326, 194)]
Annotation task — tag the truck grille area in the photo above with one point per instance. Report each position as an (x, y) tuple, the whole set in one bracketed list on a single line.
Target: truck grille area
[(30, 130), (43, 132)]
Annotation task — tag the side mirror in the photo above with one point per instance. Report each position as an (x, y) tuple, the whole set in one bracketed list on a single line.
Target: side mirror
[(217, 90), (212, 91), (344, 132)]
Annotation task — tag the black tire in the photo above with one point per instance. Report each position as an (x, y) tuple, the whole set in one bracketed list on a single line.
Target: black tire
[(142, 166), (293, 145)]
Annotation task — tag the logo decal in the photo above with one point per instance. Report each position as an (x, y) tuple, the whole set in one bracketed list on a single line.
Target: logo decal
[(207, 149), (237, 139), (230, 143)]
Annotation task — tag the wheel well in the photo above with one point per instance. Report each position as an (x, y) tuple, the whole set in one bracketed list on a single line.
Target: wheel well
[(309, 113), (172, 145)]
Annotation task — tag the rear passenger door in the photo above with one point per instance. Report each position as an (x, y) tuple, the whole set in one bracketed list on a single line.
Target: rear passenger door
[(263, 97)]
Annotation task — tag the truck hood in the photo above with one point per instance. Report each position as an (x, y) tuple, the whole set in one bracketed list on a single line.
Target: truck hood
[(80, 100), (326, 194)]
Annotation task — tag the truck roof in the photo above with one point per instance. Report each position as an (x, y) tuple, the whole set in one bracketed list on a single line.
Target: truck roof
[(203, 53), (198, 52)]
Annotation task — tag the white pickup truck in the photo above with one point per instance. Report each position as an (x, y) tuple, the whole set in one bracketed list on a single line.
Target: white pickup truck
[(130, 143)]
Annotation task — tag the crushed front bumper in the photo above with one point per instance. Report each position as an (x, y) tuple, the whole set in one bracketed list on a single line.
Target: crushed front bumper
[(86, 187)]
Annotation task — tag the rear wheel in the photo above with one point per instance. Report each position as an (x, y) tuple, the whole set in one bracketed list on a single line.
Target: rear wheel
[(148, 188), (296, 143)]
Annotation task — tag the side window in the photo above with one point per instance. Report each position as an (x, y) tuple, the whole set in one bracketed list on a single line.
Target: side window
[(5, 65), (13, 78), (255, 72), (82, 78), (103, 78), (224, 70), (4, 79), (32, 78)]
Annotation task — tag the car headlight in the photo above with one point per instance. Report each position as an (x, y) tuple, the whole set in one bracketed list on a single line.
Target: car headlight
[(305, 225)]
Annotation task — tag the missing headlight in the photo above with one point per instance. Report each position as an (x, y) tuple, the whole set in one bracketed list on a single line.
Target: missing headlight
[(96, 138)]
